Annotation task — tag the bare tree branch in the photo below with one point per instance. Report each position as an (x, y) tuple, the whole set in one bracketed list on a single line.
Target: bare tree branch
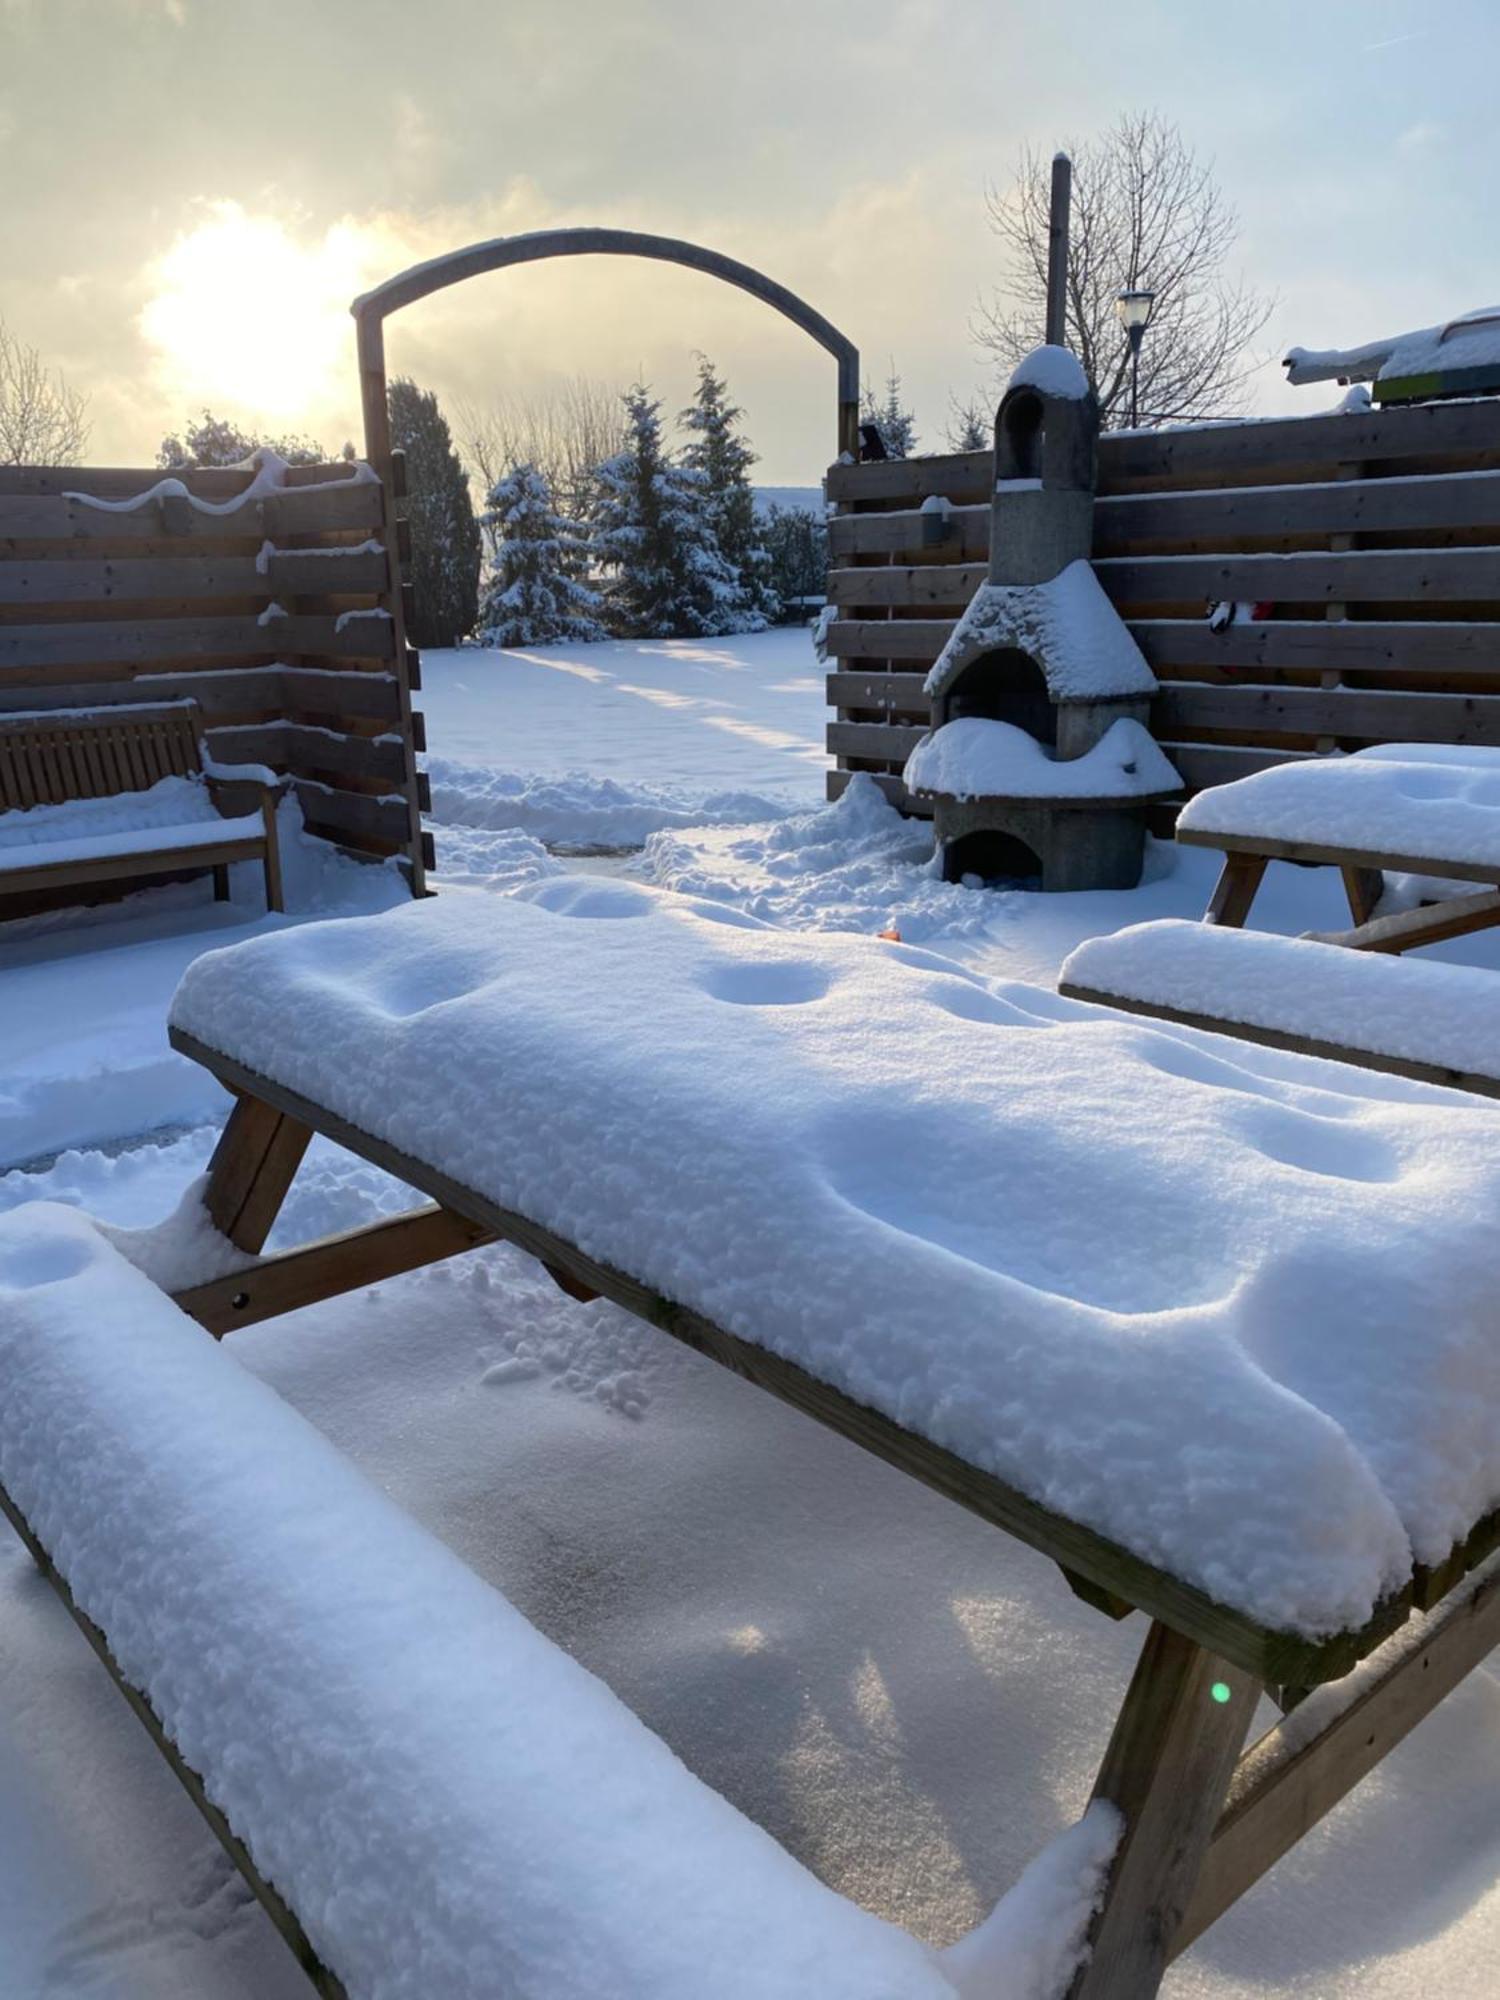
[(42, 420), (564, 432), (1146, 214)]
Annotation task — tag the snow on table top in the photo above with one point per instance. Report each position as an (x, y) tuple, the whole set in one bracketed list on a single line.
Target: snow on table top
[(1243, 1327), (975, 757), (1067, 625), (174, 812), (450, 1803), (1421, 806), (1412, 1008)]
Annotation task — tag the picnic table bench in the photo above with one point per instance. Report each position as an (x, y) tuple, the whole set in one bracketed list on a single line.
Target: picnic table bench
[(180, 815), (550, 1069), (1424, 810)]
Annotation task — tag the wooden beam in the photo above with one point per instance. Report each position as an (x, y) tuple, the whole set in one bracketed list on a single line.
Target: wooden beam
[(1386, 648), (1166, 1771), (303, 572), (344, 504), (888, 639), (253, 1165), (1281, 1657), (1429, 923), (333, 1265), (1297, 1772), (878, 690), (903, 584), (1389, 861), (280, 1913), (1315, 576), (1342, 713), (148, 641), (1235, 890)]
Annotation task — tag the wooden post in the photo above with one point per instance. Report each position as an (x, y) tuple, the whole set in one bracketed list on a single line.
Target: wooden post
[(1166, 1771), (1057, 251), (1235, 889), (258, 1154)]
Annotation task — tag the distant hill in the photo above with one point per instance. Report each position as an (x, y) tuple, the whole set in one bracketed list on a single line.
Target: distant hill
[(808, 498)]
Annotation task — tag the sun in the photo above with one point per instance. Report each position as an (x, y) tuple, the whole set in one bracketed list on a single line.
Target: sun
[(248, 317)]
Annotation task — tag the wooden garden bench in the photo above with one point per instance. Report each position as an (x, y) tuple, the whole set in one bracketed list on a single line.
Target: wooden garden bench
[(59, 757), (1202, 1821)]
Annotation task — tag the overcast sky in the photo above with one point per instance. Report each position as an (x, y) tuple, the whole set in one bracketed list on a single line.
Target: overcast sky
[(194, 189)]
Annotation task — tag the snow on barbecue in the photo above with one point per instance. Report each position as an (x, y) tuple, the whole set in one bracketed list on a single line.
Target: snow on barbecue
[(947, 1201)]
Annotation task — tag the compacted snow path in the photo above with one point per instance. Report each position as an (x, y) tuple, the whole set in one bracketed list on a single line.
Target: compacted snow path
[(911, 1702)]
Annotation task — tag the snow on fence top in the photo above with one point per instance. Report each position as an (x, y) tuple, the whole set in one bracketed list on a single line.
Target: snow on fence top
[(449, 1802), (1243, 1326), (1470, 341)]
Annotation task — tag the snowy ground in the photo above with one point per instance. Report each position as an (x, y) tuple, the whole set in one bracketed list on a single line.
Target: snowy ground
[(908, 1699)]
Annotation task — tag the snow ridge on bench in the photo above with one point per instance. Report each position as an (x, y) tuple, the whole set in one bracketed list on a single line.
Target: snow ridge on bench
[(450, 1804)]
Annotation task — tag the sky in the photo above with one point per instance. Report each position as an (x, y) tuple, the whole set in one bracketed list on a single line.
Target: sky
[(195, 189)]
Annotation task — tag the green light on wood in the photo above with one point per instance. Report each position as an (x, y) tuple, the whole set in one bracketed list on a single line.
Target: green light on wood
[(1220, 1691)]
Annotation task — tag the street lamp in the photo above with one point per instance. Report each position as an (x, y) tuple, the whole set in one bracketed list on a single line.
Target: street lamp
[(1134, 307)]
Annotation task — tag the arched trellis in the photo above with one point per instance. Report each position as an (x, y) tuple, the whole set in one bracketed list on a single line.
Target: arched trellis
[(373, 309)]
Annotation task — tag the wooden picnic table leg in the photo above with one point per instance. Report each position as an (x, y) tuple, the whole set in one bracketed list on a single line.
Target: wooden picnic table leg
[(1235, 889), (259, 1152), (1364, 887), (1166, 1771)]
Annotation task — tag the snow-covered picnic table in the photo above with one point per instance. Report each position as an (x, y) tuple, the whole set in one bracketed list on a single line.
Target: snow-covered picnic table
[(1420, 809), (1218, 1343)]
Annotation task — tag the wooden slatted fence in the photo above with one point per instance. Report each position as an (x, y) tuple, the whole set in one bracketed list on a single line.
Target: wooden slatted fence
[(1373, 537), (280, 616)]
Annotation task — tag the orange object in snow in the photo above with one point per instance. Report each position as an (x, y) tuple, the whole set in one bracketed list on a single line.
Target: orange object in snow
[(891, 935)]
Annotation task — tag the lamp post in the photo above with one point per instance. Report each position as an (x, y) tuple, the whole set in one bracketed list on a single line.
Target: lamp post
[(1134, 307)]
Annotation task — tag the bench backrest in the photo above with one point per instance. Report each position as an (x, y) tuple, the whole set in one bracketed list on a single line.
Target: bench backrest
[(47, 758)]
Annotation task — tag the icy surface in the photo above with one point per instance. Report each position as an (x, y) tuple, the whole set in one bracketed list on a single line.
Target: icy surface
[(1445, 808), (975, 757), (1056, 371), (965, 1225), (1067, 625), (1440, 1014), (449, 1802)]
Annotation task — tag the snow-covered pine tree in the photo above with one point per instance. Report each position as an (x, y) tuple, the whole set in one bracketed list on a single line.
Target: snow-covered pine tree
[(651, 534), (537, 593), (898, 427), (968, 429), (722, 457), (445, 543)]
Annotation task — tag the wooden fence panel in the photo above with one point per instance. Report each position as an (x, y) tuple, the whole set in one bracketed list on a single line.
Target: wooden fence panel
[(277, 610), (1367, 543)]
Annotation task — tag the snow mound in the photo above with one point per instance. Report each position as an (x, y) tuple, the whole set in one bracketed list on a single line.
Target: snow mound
[(856, 865), (1470, 341), (450, 1803), (579, 811), (976, 758), (1283, 1400)]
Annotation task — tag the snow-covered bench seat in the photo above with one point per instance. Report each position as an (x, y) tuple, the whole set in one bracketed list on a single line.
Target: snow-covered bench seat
[(1438, 1023), (446, 1802), (89, 796)]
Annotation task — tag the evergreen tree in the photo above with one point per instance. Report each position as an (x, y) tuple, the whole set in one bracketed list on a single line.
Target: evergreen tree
[(898, 427), (968, 427), (445, 543), (651, 533), (797, 547), (722, 458), (537, 593)]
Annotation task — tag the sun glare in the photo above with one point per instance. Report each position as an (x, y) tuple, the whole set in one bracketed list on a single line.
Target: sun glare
[(247, 318)]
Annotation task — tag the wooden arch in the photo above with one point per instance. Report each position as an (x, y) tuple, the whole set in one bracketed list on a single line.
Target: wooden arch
[(373, 309)]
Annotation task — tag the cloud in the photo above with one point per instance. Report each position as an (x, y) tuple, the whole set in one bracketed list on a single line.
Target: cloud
[(1419, 138)]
